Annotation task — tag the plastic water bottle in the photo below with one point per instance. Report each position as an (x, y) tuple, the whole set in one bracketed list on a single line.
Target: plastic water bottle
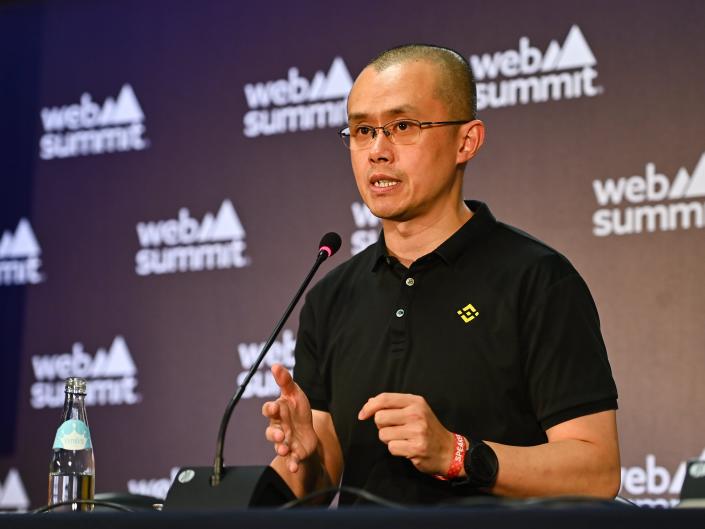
[(72, 466)]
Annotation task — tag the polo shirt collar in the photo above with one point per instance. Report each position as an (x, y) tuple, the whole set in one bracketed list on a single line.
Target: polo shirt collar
[(478, 226)]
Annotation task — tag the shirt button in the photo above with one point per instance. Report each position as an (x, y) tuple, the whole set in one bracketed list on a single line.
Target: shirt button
[(400, 313), (409, 281)]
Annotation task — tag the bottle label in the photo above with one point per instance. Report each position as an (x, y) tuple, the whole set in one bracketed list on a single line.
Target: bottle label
[(73, 435)]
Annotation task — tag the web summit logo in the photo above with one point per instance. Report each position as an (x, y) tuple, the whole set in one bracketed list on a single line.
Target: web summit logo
[(666, 205), (88, 128), (532, 76), (297, 103), (20, 256), (13, 496), (111, 375), (186, 245), (652, 485)]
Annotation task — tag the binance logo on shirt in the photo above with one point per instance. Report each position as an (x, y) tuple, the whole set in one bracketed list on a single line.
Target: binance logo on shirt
[(468, 313)]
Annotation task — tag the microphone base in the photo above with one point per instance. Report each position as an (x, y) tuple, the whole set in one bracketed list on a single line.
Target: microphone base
[(240, 487)]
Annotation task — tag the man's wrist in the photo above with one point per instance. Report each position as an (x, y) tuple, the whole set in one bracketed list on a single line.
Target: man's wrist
[(455, 467)]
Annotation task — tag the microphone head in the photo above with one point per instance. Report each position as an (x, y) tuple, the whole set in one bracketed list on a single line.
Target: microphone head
[(330, 243)]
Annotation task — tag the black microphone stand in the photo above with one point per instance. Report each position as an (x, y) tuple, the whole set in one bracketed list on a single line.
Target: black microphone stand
[(219, 462), (241, 486)]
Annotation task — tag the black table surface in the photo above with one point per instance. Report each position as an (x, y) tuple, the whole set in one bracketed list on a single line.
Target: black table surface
[(369, 518)]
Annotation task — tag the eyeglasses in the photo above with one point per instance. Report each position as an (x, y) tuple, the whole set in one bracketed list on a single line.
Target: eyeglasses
[(399, 132)]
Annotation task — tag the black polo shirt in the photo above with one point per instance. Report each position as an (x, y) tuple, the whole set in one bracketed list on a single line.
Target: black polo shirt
[(495, 329)]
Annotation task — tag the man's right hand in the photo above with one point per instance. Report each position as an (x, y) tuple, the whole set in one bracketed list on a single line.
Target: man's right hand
[(290, 421)]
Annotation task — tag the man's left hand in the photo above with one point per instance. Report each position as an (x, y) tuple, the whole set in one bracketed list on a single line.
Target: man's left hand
[(410, 429)]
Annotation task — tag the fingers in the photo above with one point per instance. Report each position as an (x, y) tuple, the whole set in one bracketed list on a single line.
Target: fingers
[(401, 448), (293, 463), (282, 447), (401, 441), (279, 429), (281, 418), (394, 433), (386, 401), (274, 434), (409, 428), (284, 380), (271, 410), (393, 417), (285, 423)]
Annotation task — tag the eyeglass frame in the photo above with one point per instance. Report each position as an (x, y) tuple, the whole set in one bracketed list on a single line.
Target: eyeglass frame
[(421, 124)]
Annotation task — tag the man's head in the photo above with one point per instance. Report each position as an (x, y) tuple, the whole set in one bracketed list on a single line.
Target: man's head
[(398, 180), (455, 83)]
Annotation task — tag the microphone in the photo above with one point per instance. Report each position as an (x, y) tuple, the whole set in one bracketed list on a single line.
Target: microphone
[(251, 485), (330, 244)]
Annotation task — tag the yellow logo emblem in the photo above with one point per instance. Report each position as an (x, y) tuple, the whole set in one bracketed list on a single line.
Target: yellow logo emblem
[(468, 313)]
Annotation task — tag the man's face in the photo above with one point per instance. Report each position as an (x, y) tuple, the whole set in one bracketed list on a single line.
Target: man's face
[(402, 182)]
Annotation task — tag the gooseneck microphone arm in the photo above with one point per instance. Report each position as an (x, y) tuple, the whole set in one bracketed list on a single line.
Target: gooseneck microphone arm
[(330, 243)]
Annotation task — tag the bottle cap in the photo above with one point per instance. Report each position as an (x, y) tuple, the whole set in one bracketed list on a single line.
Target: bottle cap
[(76, 385)]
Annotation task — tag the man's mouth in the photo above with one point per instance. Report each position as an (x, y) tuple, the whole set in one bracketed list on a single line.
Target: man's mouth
[(385, 183)]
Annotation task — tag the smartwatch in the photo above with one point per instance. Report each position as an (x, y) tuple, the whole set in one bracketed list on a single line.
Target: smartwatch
[(481, 465)]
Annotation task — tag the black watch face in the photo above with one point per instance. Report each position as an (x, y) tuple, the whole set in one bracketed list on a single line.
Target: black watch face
[(483, 465)]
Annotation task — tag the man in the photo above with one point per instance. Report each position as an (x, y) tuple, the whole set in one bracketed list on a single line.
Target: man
[(457, 355)]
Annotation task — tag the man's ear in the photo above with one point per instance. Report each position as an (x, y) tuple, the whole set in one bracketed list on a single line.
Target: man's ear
[(472, 140)]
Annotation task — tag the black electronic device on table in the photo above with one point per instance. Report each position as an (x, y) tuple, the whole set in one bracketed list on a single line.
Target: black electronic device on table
[(693, 490)]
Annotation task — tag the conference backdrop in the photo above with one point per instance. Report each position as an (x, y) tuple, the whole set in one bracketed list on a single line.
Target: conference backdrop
[(168, 168)]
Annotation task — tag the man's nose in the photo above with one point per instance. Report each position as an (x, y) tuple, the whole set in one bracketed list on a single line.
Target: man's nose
[(382, 147)]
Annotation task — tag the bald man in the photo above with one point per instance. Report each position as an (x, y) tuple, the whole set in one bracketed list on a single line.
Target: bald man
[(458, 355)]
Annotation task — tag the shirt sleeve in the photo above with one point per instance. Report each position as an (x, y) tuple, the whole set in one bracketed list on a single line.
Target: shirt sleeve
[(566, 365), (309, 373)]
